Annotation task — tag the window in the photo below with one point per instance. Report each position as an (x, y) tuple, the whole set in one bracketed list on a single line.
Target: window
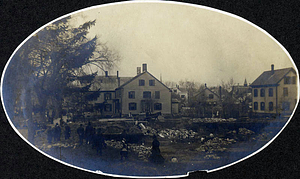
[(182, 96), (262, 92), (255, 93), (107, 107), (285, 92), (157, 94), (270, 106), (107, 96), (157, 106), (175, 91), (211, 96), (151, 83), (255, 106), (293, 80), (132, 106), (287, 80), (262, 106), (286, 106), (147, 94), (141, 82), (270, 92), (131, 94)]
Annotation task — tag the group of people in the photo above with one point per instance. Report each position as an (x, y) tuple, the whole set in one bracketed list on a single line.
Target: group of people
[(54, 133), (91, 137), (97, 140)]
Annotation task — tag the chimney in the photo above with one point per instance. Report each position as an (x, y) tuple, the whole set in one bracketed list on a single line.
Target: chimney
[(106, 73), (220, 92), (138, 70), (272, 69), (144, 67), (118, 78)]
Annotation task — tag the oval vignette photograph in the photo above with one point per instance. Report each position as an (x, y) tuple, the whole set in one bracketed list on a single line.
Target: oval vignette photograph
[(149, 89)]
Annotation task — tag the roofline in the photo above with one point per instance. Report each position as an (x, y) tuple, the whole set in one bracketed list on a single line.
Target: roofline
[(258, 86), (159, 81), (290, 69), (127, 82), (208, 90), (103, 91), (139, 76)]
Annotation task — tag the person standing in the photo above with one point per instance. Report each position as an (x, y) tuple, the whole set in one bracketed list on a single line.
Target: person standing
[(67, 131), (80, 132), (57, 133), (49, 134), (99, 142), (124, 150), (88, 133), (156, 157)]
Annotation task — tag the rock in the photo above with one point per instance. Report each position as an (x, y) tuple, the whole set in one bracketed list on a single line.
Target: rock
[(174, 160)]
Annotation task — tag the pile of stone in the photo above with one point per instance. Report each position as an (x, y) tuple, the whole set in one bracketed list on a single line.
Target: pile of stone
[(215, 145), (177, 134), (212, 120), (149, 131), (46, 147), (244, 134), (142, 151), (244, 131), (134, 130), (265, 136), (211, 156), (114, 144)]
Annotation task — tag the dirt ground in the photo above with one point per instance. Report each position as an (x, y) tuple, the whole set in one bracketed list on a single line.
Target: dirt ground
[(185, 146)]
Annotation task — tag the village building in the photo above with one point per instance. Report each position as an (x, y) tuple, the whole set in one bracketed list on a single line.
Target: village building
[(209, 102), (242, 96), (127, 96), (181, 92), (179, 98), (106, 105), (241, 89), (274, 92), (144, 94)]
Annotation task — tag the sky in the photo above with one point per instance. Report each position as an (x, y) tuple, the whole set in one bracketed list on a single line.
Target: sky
[(181, 42)]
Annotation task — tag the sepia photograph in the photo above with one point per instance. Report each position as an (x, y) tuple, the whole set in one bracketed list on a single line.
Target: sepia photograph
[(149, 89)]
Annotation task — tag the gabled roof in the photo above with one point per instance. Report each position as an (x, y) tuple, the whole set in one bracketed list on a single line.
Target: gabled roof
[(107, 83), (267, 78), (206, 88), (132, 79)]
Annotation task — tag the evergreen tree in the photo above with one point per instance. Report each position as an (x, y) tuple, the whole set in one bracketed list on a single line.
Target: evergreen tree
[(39, 76)]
